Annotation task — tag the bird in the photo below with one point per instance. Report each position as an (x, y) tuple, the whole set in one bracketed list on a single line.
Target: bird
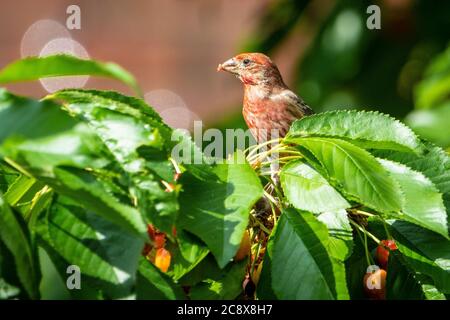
[(269, 106)]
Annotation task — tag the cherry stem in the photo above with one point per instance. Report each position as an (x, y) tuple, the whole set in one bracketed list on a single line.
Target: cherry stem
[(260, 224), (259, 146), (16, 166), (175, 165), (362, 213), (365, 231), (252, 266)]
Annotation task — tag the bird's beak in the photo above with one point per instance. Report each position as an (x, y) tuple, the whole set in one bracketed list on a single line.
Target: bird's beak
[(230, 66)]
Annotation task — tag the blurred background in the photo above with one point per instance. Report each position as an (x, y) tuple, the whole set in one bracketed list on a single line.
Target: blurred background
[(323, 48)]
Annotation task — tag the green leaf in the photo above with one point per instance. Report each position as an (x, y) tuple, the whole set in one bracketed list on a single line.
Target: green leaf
[(217, 211), (77, 147), (34, 68), (434, 164), (135, 135), (16, 237), (27, 118), (190, 246), (340, 231), (41, 158), (7, 290), (356, 267), (226, 286), (307, 190), (355, 171), (70, 146), (84, 188), (106, 255), (432, 124), (7, 176), (435, 86), (401, 282), (53, 285), (422, 203), (206, 269), (10, 286), (189, 155), (431, 292), (21, 193), (364, 128), (186, 253), (302, 267), (152, 284), (264, 290), (425, 251)]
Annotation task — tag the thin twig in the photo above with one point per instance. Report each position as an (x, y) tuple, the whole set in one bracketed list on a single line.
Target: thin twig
[(365, 231)]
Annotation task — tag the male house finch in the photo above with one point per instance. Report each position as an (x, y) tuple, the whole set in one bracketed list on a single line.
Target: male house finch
[(269, 106)]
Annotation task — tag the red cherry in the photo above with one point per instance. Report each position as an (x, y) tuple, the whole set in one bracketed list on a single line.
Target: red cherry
[(146, 250), (174, 231), (151, 231), (383, 250), (375, 284), (244, 248), (162, 259), (159, 240)]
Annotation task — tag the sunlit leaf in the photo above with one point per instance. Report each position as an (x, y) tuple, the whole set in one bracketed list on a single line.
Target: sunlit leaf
[(422, 203), (34, 68), (366, 129), (354, 171), (307, 190)]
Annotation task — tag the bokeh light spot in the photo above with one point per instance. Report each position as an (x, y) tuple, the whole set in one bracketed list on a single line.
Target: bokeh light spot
[(39, 34), (66, 46), (172, 108)]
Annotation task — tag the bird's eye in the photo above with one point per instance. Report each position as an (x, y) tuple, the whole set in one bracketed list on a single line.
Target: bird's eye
[(246, 62)]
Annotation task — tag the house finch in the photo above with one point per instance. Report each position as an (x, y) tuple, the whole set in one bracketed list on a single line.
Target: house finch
[(269, 106)]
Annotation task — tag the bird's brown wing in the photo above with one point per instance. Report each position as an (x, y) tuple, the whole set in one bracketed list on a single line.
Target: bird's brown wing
[(298, 107)]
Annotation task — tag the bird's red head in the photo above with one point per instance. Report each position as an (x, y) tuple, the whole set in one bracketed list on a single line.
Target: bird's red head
[(252, 69)]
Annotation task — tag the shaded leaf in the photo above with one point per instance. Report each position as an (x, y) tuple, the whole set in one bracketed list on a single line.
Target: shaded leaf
[(155, 285), (16, 237), (27, 118), (106, 255), (226, 286), (401, 282), (302, 267), (187, 253), (425, 251), (217, 211)]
